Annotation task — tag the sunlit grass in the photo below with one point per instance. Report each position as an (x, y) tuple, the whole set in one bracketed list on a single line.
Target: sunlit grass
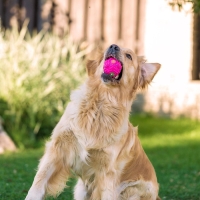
[(162, 132), (173, 147)]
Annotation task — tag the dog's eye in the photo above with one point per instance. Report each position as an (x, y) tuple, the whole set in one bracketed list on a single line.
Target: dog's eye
[(129, 56)]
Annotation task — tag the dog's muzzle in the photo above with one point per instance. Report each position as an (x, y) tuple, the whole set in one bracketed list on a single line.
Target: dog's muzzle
[(112, 52)]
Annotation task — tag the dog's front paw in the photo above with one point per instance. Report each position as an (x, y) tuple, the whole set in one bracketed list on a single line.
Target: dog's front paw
[(35, 194)]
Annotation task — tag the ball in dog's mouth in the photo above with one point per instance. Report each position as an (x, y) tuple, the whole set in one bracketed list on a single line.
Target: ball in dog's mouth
[(112, 70)]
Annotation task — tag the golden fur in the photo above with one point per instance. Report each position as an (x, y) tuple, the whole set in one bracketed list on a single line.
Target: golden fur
[(95, 140)]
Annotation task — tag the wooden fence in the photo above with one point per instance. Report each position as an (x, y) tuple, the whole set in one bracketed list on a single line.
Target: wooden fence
[(107, 21), (196, 48)]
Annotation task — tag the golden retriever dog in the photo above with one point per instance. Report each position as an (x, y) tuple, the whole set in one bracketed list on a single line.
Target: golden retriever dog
[(95, 140)]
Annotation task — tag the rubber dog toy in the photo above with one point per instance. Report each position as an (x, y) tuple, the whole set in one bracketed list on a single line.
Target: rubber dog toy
[(112, 67)]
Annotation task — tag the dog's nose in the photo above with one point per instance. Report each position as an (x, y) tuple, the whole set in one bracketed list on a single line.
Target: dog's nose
[(114, 48)]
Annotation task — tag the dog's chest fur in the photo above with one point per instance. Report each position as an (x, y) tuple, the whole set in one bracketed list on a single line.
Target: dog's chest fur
[(106, 163), (100, 117), (103, 120)]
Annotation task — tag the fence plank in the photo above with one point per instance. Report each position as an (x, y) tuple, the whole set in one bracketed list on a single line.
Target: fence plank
[(28, 12), (1, 13), (77, 14), (129, 21), (12, 13), (61, 11), (44, 15), (140, 27), (111, 21), (94, 20), (196, 48)]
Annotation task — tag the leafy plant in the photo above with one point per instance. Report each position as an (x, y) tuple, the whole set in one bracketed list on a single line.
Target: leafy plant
[(180, 4), (36, 76)]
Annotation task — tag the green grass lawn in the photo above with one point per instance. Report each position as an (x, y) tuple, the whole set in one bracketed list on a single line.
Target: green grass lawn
[(173, 146)]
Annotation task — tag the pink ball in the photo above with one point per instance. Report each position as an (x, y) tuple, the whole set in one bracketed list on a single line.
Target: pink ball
[(112, 66)]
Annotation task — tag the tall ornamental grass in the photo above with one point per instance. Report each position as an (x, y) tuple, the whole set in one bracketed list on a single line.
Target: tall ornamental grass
[(36, 76)]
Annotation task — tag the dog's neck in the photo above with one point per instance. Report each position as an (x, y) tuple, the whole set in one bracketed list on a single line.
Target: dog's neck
[(116, 95)]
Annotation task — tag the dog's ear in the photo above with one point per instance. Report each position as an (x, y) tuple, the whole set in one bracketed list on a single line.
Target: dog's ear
[(148, 71), (92, 65)]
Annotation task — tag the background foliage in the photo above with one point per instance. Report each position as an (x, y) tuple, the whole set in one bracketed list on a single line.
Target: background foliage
[(36, 75)]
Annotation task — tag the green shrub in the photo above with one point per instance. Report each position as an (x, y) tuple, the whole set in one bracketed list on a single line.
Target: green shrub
[(36, 76)]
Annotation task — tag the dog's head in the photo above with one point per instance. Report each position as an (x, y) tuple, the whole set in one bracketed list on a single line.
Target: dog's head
[(131, 71)]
